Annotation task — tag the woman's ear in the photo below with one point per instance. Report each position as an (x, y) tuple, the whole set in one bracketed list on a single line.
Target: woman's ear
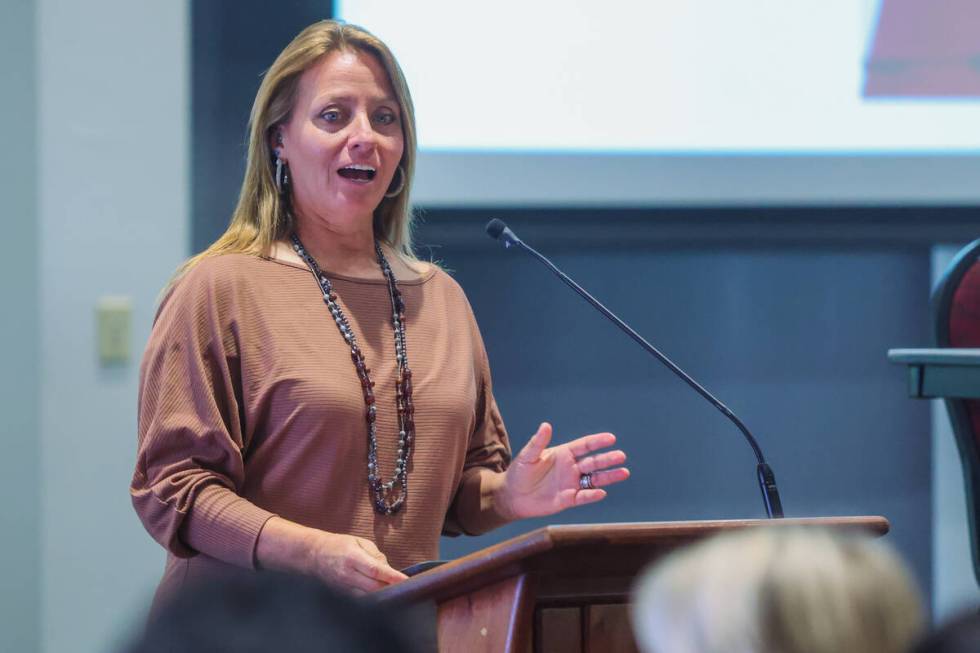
[(276, 143)]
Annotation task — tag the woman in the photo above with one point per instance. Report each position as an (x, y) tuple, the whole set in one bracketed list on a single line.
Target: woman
[(778, 590), (306, 366)]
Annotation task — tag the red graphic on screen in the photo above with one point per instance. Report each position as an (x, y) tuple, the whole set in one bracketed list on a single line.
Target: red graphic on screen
[(925, 48)]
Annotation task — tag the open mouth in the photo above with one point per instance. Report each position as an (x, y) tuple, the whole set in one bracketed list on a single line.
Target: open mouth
[(357, 172)]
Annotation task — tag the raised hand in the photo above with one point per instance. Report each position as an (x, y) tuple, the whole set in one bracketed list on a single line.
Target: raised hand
[(544, 480)]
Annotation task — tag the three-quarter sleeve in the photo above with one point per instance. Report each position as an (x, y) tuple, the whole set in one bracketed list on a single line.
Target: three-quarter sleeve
[(190, 453), (488, 451)]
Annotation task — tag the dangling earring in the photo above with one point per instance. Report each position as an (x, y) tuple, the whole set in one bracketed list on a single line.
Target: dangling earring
[(282, 168), (282, 175), (401, 184)]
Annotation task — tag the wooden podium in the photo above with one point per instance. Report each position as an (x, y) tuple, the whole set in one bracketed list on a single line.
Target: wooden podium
[(561, 588)]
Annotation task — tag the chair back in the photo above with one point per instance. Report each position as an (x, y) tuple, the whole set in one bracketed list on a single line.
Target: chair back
[(956, 323)]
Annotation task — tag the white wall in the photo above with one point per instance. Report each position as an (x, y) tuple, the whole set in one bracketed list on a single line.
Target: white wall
[(113, 97)]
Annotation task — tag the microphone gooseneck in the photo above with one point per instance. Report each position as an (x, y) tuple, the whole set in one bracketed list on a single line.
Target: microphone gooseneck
[(498, 230)]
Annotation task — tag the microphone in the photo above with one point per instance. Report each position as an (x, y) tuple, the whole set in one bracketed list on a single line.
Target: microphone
[(498, 230)]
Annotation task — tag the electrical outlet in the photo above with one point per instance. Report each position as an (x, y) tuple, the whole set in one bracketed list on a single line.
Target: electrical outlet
[(114, 316)]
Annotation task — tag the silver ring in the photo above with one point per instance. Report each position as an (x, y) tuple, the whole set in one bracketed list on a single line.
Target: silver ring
[(585, 482)]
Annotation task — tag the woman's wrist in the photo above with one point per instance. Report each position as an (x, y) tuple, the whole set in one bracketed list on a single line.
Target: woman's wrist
[(501, 498), (285, 546)]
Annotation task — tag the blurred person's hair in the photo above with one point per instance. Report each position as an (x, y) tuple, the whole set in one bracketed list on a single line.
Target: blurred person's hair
[(961, 634), (249, 612), (778, 590), (262, 217)]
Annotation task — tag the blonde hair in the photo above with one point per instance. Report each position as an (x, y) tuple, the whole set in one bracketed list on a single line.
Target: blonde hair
[(778, 590), (262, 217)]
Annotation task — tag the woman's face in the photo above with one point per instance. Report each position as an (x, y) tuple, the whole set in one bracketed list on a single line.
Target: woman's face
[(343, 141)]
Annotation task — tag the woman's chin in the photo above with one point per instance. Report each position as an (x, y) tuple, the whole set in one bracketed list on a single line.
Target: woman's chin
[(347, 208), (361, 194)]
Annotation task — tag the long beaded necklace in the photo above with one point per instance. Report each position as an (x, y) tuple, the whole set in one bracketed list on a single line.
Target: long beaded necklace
[(386, 500)]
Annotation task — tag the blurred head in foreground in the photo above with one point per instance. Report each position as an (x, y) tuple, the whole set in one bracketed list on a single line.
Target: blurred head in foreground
[(257, 613), (778, 590)]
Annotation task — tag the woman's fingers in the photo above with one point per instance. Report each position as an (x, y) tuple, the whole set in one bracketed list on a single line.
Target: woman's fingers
[(367, 574), (362, 584), (374, 565), (352, 562), (379, 574), (589, 443), (608, 477), (583, 497), (601, 461), (537, 444)]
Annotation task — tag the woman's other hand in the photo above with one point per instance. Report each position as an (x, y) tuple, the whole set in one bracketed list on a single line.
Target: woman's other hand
[(350, 561), (345, 561), (544, 480)]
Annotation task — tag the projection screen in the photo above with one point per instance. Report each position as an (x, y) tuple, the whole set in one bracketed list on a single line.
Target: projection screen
[(701, 102)]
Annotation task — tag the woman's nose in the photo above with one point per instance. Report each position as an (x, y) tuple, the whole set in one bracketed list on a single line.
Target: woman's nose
[(362, 136)]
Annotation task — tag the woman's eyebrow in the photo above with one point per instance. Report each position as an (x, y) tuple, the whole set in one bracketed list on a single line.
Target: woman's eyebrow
[(328, 97)]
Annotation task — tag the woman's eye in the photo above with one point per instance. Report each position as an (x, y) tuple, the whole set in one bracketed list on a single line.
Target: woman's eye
[(386, 118), (331, 115)]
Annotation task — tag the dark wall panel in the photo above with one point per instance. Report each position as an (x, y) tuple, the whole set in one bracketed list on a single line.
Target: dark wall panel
[(233, 43), (792, 339)]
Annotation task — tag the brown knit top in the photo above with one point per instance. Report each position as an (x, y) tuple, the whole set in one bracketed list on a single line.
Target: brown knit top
[(250, 407)]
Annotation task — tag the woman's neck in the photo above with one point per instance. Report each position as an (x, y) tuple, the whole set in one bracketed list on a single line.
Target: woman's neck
[(348, 253), (343, 251)]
